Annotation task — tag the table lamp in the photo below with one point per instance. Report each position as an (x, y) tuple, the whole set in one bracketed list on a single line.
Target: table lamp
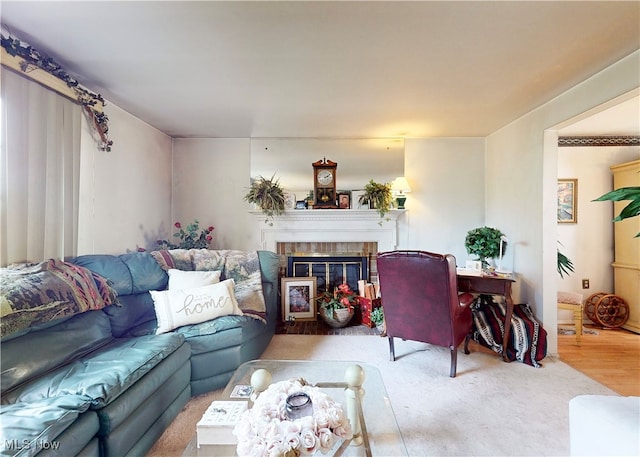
[(399, 188)]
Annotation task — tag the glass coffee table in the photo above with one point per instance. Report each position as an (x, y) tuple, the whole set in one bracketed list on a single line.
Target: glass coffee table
[(383, 438)]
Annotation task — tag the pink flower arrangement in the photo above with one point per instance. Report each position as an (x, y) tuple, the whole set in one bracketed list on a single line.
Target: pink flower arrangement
[(341, 297), (190, 238), (265, 430)]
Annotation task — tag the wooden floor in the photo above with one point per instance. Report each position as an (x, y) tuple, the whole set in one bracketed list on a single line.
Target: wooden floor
[(612, 357)]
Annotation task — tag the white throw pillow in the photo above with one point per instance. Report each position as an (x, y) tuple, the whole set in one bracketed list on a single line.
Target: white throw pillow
[(180, 279), (175, 308)]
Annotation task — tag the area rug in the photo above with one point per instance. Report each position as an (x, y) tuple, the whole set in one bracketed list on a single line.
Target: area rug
[(490, 408), (319, 327)]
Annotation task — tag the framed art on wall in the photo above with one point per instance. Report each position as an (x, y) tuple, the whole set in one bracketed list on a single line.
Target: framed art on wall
[(567, 201), (298, 299)]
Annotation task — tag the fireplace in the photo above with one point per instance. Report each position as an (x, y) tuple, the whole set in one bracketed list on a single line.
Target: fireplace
[(330, 270)]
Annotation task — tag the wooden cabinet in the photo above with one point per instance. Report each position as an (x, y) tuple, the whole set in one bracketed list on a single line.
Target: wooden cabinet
[(626, 265)]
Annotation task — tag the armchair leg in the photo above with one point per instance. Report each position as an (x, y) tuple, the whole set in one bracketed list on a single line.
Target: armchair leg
[(466, 343), (454, 362), (392, 352)]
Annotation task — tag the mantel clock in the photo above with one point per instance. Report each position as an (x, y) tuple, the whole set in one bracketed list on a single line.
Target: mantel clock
[(324, 184)]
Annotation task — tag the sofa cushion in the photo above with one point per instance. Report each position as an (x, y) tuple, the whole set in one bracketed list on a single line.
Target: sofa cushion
[(129, 273), (104, 374), (175, 308), (146, 274), (36, 353), (179, 279), (110, 267), (219, 333), (134, 310), (25, 427)]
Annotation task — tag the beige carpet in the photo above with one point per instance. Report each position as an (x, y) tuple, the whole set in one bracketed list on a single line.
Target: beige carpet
[(491, 407)]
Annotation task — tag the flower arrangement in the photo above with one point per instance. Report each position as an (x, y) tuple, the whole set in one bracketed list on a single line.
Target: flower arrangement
[(190, 238), (265, 430), (342, 297)]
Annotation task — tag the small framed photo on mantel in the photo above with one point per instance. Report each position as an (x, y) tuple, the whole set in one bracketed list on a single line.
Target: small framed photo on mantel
[(344, 200)]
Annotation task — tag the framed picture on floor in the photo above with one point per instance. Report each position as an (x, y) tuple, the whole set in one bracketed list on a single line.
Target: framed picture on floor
[(567, 201), (298, 299)]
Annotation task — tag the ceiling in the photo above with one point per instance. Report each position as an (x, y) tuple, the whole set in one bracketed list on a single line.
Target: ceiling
[(328, 69)]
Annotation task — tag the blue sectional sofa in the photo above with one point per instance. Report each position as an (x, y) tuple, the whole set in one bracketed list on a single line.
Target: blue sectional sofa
[(103, 383)]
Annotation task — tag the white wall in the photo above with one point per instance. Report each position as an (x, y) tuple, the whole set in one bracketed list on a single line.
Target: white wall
[(589, 243), (522, 172), (210, 179), (125, 194), (447, 194)]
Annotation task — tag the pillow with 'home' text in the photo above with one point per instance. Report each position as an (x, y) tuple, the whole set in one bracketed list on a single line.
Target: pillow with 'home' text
[(175, 308)]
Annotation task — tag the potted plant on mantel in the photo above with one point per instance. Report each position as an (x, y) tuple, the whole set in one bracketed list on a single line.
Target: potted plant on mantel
[(377, 196), (267, 195)]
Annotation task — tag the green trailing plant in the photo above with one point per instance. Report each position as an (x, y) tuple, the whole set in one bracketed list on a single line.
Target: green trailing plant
[(267, 194), (377, 316), (378, 196), (484, 242), (624, 194)]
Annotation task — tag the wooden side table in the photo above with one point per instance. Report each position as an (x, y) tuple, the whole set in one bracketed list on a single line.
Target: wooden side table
[(492, 285)]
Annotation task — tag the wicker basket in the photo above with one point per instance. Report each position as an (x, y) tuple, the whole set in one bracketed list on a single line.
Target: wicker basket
[(337, 318)]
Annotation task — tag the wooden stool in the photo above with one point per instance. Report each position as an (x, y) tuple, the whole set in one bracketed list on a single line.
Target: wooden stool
[(573, 302)]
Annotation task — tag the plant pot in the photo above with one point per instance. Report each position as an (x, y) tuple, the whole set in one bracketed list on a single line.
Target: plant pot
[(337, 318)]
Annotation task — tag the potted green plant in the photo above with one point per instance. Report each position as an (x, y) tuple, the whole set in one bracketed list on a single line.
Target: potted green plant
[(624, 193), (266, 194), (377, 317), (485, 243), (377, 196), (565, 265)]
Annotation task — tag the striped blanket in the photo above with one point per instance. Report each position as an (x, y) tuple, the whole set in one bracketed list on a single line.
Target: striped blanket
[(32, 294), (528, 342)]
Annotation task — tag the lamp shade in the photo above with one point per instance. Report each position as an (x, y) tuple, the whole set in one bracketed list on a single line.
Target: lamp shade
[(400, 186)]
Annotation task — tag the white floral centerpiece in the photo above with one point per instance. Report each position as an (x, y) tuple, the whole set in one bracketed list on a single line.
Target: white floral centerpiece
[(265, 430)]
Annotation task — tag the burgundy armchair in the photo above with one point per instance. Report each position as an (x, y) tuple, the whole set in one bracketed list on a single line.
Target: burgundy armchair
[(421, 302)]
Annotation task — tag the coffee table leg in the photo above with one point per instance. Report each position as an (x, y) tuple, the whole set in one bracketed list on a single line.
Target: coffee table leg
[(354, 377)]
